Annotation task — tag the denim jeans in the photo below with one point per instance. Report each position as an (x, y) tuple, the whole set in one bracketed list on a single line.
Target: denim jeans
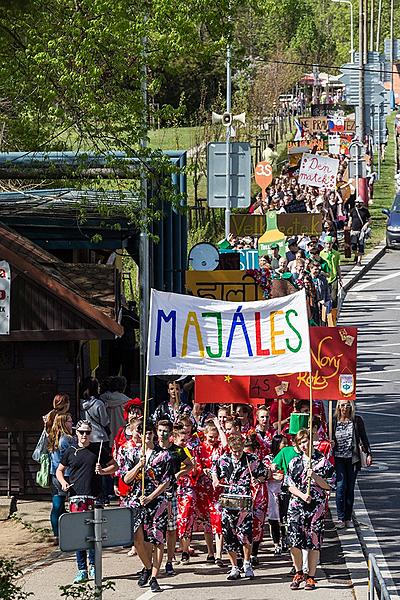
[(58, 498), (346, 474), (81, 559)]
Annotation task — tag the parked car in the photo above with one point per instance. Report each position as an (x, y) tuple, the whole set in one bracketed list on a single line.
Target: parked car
[(393, 223)]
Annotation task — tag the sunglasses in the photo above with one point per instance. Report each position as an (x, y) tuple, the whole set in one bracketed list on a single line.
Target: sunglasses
[(83, 431)]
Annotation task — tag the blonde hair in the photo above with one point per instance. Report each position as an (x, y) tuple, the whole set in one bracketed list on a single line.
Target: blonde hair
[(352, 408), (58, 429), (300, 435)]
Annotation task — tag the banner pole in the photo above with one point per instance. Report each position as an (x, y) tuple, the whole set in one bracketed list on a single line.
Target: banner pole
[(146, 390), (330, 417), (279, 415), (310, 447)]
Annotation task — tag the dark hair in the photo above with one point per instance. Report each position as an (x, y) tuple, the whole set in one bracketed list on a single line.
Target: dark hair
[(148, 426), (252, 441), (300, 403), (316, 421), (90, 387), (178, 428), (165, 423), (276, 442), (171, 380), (118, 384)]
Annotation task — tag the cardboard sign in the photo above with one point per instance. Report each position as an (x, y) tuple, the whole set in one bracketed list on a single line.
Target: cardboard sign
[(272, 236), (248, 259), (314, 124), (5, 295), (318, 171), (333, 364), (223, 285), (212, 337), (289, 223), (312, 145), (334, 144), (263, 175)]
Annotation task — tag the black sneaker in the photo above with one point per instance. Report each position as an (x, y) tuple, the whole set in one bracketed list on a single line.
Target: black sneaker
[(210, 558), (144, 577), (255, 561), (154, 585), (185, 558), (219, 562), (240, 564), (169, 569)]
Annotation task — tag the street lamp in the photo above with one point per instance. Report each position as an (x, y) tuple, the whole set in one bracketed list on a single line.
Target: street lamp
[(351, 25)]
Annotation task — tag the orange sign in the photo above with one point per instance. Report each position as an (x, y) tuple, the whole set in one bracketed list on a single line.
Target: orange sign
[(263, 175)]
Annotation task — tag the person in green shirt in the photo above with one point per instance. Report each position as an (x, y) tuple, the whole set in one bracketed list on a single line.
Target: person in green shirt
[(284, 456), (332, 258)]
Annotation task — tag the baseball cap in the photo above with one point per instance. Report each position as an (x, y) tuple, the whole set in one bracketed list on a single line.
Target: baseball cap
[(273, 246), (292, 241), (83, 423), (328, 239)]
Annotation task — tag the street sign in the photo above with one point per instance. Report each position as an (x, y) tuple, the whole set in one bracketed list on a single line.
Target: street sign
[(240, 174), (357, 168), (76, 529), (396, 49), (356, 149)]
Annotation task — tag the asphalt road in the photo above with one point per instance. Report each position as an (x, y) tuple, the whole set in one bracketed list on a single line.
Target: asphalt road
[(373, 306)]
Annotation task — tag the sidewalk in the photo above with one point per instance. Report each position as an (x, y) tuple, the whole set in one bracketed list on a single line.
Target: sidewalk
[(206, 582)]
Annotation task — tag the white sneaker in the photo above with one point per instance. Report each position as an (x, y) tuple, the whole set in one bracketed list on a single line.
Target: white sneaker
[(234, 574), (248, 571)]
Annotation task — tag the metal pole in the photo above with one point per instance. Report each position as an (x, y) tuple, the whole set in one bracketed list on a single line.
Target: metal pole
[(371, 33), (357, 170), (228, 145), (378, 27), (391, 53), (371, 583), (361, 124), (379, 142), (351, 32), (144, 245), (365, 36), (98, 548)]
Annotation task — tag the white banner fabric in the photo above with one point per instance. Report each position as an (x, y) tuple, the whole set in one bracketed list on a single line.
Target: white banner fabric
[(318, 171), (202, 336)]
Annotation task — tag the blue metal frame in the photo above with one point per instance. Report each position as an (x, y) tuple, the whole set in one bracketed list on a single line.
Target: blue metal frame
[(168, 257)]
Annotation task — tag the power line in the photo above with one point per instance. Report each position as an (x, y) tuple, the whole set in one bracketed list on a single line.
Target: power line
[(319, 65)]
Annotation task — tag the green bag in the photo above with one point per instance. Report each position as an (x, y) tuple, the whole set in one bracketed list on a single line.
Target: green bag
[(43, 475)]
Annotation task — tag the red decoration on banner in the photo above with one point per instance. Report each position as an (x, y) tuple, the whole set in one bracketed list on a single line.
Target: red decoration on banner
[(224, 389), (333, 364)]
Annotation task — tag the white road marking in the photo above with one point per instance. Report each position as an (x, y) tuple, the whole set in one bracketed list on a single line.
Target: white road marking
[(376, 281), (375, 353), (372, 541), (381, 372)]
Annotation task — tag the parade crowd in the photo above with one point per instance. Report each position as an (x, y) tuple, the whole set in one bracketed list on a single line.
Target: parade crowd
[(228, 471)]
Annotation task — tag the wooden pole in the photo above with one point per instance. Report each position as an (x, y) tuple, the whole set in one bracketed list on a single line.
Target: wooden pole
[(330, 422), (145, 410), (279, 415), (310, 447)]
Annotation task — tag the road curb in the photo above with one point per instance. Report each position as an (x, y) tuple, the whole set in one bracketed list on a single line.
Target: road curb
[(357, 272)]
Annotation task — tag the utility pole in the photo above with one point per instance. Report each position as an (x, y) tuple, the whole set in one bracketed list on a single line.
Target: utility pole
[(371, 33), (365, 33), (392, 102), (228, 143), (361, 122), (378, 27), (144, 246)]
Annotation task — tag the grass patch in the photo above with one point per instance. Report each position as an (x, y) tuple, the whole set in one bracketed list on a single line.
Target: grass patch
[(172, 138), (384, 189)]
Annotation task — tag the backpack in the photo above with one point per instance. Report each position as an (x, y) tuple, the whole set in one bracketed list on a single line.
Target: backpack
[(43, 475)]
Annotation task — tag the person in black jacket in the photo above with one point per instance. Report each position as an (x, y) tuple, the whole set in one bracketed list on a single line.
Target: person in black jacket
[(348, 436)]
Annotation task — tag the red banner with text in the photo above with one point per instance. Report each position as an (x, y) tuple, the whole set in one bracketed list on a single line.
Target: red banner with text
[(333, 364)]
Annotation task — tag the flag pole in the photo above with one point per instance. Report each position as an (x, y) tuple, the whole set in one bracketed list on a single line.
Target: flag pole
[(279, 415), (310, 446), (146, 390)]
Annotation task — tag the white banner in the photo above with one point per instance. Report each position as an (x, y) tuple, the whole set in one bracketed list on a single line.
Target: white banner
[(318, 171), (5, 289), (200, 336)]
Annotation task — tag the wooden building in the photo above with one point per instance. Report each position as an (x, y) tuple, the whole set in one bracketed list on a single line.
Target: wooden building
[(56, 311)]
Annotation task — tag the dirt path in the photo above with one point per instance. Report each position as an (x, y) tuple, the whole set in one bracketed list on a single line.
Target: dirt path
[(23, 545)]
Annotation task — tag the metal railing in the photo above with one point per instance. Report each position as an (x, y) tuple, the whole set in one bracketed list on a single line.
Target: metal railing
[(376, 583)]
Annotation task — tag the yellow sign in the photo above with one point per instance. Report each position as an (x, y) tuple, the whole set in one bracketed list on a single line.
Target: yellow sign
[(235, 286), (289, 223)]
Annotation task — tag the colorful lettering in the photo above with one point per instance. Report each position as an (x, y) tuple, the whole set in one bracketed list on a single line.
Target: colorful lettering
[(238, 321), (161, 316), (218, 316), (300, 343), (275, 333), (192, 321), (260, 351)]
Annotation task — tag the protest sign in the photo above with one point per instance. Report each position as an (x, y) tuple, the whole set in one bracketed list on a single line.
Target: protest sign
[(211, 337), (289, 223), (334, 144), (223, 285), (318, 171), (5, 285), (271, 236), (229, 389), (314, 145), (333, 368), (314, 124), (263, 176), (248, 259)]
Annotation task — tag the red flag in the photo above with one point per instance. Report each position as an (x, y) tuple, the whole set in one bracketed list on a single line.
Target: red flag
[(224, 389)]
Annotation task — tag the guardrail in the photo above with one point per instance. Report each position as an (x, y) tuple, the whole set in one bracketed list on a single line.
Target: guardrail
[(375, 579)]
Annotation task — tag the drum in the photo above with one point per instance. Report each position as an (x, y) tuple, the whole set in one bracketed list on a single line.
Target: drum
[(81, 503), (236, 502)]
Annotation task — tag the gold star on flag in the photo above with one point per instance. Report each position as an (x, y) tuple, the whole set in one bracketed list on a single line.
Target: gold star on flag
[(227, 378)]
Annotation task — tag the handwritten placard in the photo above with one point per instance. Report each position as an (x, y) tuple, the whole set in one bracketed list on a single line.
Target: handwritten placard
[(212, 337), (314, 124), (289, 223), (333, 368), (223, 285), (318, 171)]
